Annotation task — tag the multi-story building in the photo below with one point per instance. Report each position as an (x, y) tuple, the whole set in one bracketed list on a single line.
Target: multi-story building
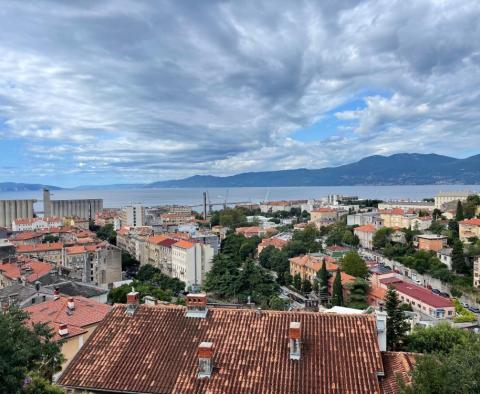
[(323, 216), (277, 206), (363, 218), (132, 216), (191, 261), (175, 219), (476, 272), (51, 252), (35, 224), (107, 216), (445, 256), (397, 217), (208, 238), (446, 197), (431, 242), (160, 253), (307, 266), (23, 269), (365, 235), (469, 228), (407, 205)]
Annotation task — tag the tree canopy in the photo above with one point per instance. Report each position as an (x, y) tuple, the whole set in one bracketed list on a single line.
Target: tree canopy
[(397, 326), (353, 264)]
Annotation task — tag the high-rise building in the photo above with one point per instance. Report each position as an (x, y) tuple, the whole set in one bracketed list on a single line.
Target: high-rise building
[(133, 216)]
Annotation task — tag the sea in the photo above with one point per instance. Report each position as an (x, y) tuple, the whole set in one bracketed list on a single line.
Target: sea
[(116, 198)]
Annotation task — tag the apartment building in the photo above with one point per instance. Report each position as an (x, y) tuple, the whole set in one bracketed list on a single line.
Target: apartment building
[(35, 224), (446, 197), (365, 235), (469, 228), (191, 261), (398, 218), (23, 270), (323, 216), (51, 252), (132, 216), (476, 272), (160, 253), (431, 242), (407, 205), (307, 266), (363, 218)]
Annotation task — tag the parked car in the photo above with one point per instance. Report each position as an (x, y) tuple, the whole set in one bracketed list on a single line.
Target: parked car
[(474, 309), (443, 294), (436, 291), (465, 305)]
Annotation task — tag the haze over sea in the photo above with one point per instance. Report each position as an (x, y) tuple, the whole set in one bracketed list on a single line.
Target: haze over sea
[(115, 198)]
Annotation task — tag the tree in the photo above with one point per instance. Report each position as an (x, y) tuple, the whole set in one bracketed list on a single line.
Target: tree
[(49, 238), (316, 286), (297, 282), (455, 372), (322, 276), (306, 286), (358, 291), (458, 258), (459, 213), (440, 338), (382, 237), (248, 248), (436, 214), (107, 233), (337, 291), (397, 326), (265, 256), (353, 264), (26, 352)]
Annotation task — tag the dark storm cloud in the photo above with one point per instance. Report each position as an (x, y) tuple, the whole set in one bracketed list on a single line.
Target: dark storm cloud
[(172, 88)]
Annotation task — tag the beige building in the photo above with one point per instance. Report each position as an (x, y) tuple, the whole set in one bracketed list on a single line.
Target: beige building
[(72, 320), (476, 272), (323, 216), (469, 228), (446, 197), (398, 218), (160, 253), (132, 216), (365, 235)]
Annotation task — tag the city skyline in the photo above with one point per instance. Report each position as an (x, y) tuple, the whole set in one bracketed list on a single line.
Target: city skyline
[(99, 93)]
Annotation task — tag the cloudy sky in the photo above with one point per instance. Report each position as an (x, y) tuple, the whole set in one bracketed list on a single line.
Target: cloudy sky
[(95, 92)]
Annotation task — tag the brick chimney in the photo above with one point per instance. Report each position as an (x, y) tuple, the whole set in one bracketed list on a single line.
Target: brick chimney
[(71, 304), (62, 330), (133, 300), (56, 294), (205, 360), (294, 337), (197, 305)]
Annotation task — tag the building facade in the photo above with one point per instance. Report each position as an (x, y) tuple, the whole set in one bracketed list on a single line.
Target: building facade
[(15, 209)]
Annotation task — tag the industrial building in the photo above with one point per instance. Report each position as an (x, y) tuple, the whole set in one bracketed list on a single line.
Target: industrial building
[(84, 208), (15, 209)]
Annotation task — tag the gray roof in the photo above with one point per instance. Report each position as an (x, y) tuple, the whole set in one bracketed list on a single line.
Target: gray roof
[(71, 288)]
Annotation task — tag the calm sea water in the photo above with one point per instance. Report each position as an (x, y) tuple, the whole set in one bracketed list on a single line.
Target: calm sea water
[(120, 197)]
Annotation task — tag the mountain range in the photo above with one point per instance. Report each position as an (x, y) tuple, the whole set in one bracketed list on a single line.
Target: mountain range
[(398, 169)]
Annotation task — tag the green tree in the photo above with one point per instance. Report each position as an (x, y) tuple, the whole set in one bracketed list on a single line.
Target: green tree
[(397, 326), (295, 248), (316, 286), (248, 248), (440, 338), (382, 237), (458, 258), (297, 282), (455, 372), (323, 276), (353, 264), (436, 214), (49, 238), (26, 352), (306, 286), (265, 256), (358, 294), (107, 233), (459, 213), (337, 291), (222, 277)]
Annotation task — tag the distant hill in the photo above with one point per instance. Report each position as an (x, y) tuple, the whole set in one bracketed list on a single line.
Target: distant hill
[(22, 187), (398, 169)]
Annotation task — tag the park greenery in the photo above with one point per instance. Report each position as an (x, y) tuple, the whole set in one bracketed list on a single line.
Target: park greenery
[(107, 233), (149, 281), (28, 355)]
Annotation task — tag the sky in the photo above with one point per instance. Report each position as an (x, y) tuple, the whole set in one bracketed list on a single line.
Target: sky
[(100, 92)]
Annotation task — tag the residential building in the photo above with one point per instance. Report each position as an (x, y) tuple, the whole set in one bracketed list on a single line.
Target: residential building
[(363, 218), (397, 217), (76, 221), (431, 242), (160, 253), (27, 238), (14, 209), (191, 261), (221, 350), (421, 299), (277, 206), (365, 234), (307, 266), (51, 252), (72, 320), (323, 216), (176, 219), (445, 256), (35, 224), (277, 243), (446, 197), (208, 238), (469, 228), (106, 216), (476, 272), (132, 216), (254, 231), (407, 205), (23, 269), (24, 294)]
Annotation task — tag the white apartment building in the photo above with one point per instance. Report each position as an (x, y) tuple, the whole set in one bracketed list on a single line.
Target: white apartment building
[(132, 216), (476, 272), (191, 261), (35, 224), (444, 197)]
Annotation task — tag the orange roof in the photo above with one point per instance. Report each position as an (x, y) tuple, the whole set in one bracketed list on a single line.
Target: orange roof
[(54, 312), (39, 247), (276, 242), (315, 263), (25, 235), (184, 244), (367, 228), (123, 231), (471, 222), (77, 249), (398, 366), (377, 292), (34, 269), (324, 210), (156, 239), (346, 278)]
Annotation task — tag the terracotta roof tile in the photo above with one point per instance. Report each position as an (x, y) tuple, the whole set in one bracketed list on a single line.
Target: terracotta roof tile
[(39, 247), (471, 222), (184, 244), (367, 228), (35, 269), (398, 365), (155, 352)]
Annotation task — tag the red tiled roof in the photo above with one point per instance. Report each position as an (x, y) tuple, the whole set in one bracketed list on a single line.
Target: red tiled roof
[(397, 365), (25, 235), (184, 244), (337, 248), (422, 294), (324, 210), (315, 263), (367, 228), (39, 247), (86, 312), (471, 222), (155, 351), (168, 242), (156, 239), (76, 249), (37, 269), (276, 242)]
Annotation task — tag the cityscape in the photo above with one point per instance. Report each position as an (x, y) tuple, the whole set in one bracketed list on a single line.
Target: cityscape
[(239, 197)]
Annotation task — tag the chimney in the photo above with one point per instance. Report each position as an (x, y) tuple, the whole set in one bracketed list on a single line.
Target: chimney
[(56, 294), (133, 300), (381, 317), (149, 300), (294, 336), (62, 330), (205, 360), (71, 304), (196, 305)]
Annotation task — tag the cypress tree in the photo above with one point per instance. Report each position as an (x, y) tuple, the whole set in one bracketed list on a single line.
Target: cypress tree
[(459, 214), (397, 326), (323, 282), (337, 292), (458, 258)]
